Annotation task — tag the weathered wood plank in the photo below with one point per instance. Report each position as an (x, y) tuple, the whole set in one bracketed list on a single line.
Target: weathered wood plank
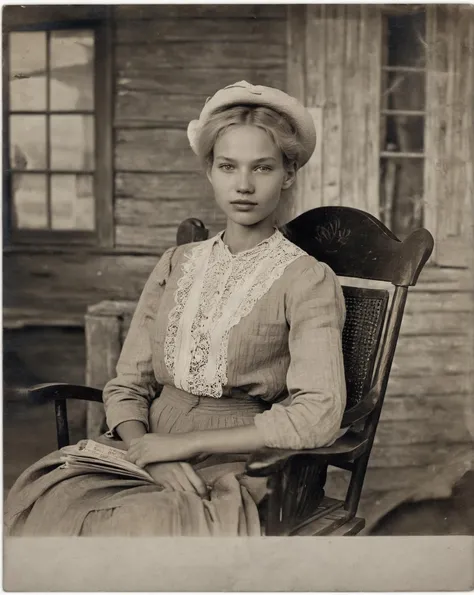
[(316, 39), (102, 337), (430, 140), (155, 108), (203, 81), (450, 160), (440, 428), (162, 185), (114, 308), (394, 457), (447, 354), (315, 93), (198, 55), (45, 355), (15, 16), (296, 54), (333, 85), (70, 282), (372, 107), (214, 11), (158, 149), (309, 179), (152, 213), (362, 95), (382, 479), (208, 29), (15, 318), (296, 85), (350, 106), (342, 67), (435, 278), (436, 323), (157, 239), (423, 302), (433, 384), (423, 407)]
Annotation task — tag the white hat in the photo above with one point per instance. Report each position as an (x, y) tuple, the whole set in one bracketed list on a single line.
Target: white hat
[(243, 93)]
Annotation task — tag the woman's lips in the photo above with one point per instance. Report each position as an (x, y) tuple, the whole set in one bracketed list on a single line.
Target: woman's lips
[(243, 205)]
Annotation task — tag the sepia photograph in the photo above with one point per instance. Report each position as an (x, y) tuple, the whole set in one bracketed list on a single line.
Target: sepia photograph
[(238, 271)]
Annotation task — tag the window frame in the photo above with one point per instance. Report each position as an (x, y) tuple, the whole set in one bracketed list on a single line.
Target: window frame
[(390, 157), (103, 234)]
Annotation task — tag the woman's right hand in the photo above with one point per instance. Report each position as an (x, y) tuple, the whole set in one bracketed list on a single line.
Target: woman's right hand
[(179, 477)]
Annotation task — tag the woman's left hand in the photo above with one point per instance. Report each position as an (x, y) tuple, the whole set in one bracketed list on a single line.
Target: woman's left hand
[(160, 448)]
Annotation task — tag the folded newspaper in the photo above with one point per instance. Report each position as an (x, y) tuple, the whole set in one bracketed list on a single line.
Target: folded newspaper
[(92, 456)]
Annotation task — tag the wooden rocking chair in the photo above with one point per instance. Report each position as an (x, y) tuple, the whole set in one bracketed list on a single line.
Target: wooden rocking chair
[(355, 245)]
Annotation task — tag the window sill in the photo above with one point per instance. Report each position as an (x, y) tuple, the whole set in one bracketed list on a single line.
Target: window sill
[(20, 318), (76, 248)]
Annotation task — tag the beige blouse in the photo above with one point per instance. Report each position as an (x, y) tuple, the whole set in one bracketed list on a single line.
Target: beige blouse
[(266, 323)]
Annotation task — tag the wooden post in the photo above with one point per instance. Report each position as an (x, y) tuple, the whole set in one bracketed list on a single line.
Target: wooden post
[(103, 345)]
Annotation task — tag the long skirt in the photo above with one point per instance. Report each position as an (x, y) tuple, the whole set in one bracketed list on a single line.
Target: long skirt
[(51, 500)]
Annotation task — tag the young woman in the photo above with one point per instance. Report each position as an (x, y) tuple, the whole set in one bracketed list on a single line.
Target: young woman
[(235, 345)]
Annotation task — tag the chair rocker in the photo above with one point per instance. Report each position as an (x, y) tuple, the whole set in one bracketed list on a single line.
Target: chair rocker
[(356, 245)]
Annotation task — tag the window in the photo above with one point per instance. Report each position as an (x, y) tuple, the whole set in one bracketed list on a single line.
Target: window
[(57, 125), (403, 122)]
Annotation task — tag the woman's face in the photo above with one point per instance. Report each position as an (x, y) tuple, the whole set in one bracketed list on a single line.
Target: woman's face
[(248, 174)]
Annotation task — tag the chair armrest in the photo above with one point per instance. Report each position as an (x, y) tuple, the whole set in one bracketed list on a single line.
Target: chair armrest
[(44, 393), (363, 408), (271, 460)]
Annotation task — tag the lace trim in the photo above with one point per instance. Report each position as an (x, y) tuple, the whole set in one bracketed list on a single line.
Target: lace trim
[(172, 345), (216, 291)]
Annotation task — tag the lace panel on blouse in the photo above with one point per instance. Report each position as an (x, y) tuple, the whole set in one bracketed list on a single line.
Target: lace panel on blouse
[(216, 290)]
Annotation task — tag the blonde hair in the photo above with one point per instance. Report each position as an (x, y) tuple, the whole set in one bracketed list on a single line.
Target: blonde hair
[(279, 128)]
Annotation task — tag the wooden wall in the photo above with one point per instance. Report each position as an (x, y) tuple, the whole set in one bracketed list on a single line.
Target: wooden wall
[(166, 67), (334, 68), (449, 141), (167, 60), (427, 426)]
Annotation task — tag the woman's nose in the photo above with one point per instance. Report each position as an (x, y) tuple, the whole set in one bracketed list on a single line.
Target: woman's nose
[(245, 183)]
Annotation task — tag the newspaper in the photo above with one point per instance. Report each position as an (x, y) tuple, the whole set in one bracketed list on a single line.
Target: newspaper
[(92, 456)]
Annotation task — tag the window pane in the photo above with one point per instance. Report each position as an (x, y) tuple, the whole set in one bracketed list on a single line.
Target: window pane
[(28, 142), (401, 194), (404, 91), (28, 71), (72, 202), (29, 201), (72, 70), (72, 142), (407, 40), (404, 134)]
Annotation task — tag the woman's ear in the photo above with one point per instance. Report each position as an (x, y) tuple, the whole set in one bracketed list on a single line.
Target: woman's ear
[(289, 179)]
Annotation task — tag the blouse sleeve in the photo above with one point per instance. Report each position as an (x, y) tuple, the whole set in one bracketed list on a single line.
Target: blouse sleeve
[(313, 412), (128, 396)]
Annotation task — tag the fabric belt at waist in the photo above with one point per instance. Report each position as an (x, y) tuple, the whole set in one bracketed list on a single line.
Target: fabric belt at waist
[(239, 404)]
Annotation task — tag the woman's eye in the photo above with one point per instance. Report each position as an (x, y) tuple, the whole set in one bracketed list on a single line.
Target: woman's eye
[(226, 167), (264, 168)]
